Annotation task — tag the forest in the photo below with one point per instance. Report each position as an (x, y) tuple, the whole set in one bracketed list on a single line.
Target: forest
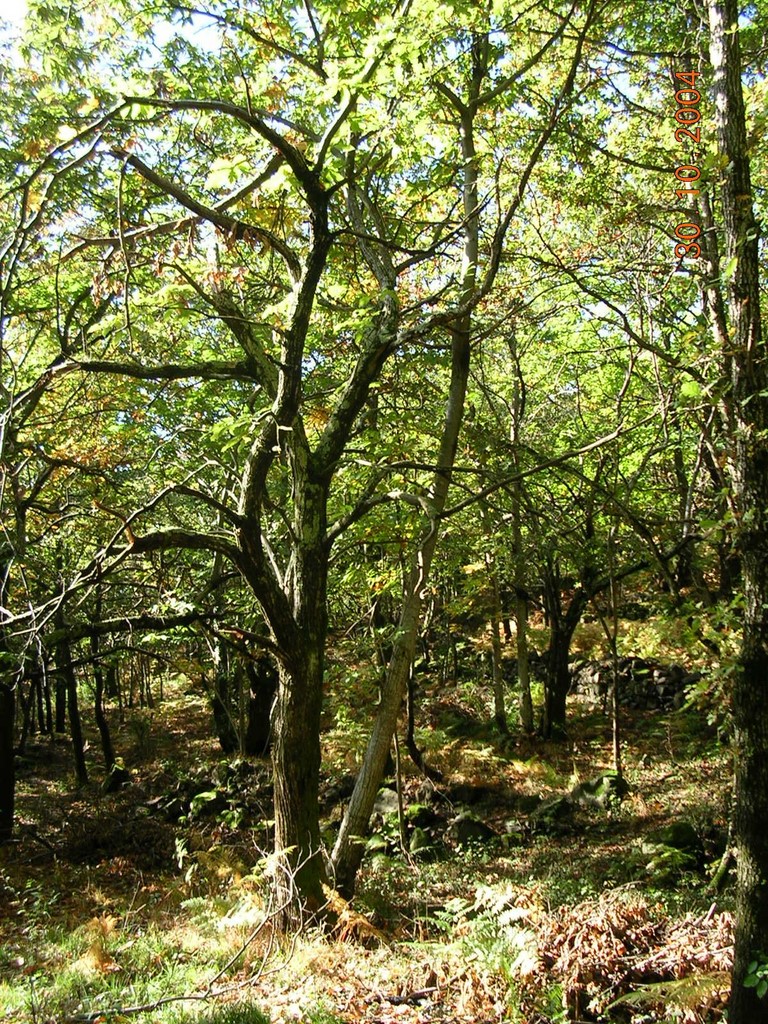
[(384, 512)]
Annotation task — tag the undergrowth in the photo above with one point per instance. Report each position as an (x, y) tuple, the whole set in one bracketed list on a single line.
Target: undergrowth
[(575, 921)]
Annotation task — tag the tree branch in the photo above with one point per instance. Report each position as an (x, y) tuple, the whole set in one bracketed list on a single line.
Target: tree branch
[(239, 229)]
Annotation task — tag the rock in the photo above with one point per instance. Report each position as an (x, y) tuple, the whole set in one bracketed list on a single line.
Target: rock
[(175, 808), (386, 802), (466, 830), (421, 816), (464, 793), (556, 809), (603, 791), (514, 832), (673, 849), (425, 792), (527, 803), (208, 804), (117, 777), (643, 683), (680, 835), (420, 845)]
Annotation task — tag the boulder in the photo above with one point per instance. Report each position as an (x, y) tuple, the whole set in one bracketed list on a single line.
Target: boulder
[(527, 803), (672, 850), (643, 683), (421, 816), (550, 812), (117, 777), (424, 847), (680, 835), (604, 791), (386, 803), (466, 830)]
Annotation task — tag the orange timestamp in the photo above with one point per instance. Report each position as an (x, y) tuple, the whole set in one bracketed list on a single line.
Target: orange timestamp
[(687, 116)]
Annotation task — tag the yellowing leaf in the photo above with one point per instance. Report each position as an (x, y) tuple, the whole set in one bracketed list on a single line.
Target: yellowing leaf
[(32, 149), (224, 171), (474, 567), (88, 107)]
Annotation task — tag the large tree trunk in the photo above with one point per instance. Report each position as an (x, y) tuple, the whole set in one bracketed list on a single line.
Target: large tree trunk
[(746, 358), (296, 754), (558, 683), (296, 761)]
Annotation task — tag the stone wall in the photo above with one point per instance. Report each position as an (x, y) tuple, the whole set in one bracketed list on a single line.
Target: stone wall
[(643, 683)]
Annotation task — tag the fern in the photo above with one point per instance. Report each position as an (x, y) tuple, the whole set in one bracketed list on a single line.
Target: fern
[(682, 993)]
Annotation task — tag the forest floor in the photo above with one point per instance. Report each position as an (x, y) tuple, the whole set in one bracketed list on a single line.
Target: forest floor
[(156, 896)]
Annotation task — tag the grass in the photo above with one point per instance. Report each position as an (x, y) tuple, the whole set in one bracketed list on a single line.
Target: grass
[(108, 962)]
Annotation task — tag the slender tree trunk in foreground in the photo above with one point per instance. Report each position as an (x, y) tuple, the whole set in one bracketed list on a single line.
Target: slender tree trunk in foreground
[(349, 848), (749, 379)]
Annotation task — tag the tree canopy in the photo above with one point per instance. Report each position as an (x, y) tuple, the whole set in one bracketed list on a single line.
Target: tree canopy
[(318, 318)]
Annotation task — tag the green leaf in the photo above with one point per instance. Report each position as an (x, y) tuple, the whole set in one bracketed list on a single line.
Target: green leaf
[(201, 799), (225, 170), (730, 268), (690, 389)]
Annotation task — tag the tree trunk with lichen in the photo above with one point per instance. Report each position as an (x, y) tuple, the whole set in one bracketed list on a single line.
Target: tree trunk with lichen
[(746, 363)]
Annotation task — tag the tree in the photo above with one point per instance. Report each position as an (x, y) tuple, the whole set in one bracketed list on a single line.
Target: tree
[(465, 104), (745, 362), (239, 276)]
